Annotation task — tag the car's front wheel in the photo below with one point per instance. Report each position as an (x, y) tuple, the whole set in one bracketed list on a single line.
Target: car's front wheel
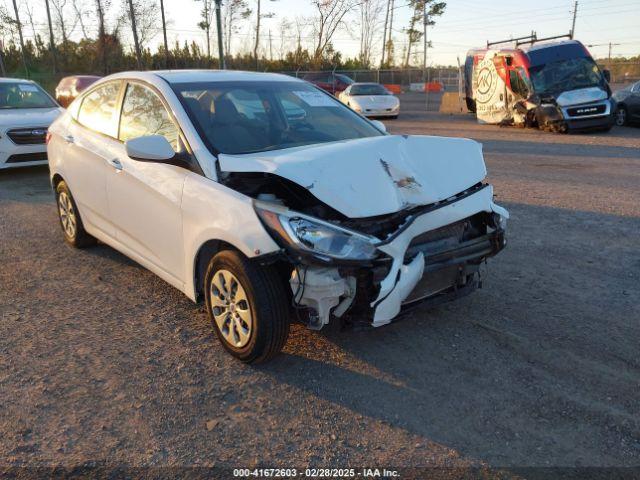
[(621, 116), (70, 221), (247, 305)]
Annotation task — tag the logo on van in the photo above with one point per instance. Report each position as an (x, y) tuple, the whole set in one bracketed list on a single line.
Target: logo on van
[(485, 81)]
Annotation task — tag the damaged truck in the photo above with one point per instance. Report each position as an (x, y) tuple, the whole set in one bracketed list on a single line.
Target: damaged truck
[(271, 201), (547, 83)]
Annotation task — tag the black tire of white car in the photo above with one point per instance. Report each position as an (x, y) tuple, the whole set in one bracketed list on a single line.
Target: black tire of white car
[(268, 304), (78, 236), (621, 116)]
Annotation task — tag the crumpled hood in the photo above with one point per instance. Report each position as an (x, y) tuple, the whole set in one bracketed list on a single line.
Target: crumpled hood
[(580, 96), (28, 117), (376, 175)]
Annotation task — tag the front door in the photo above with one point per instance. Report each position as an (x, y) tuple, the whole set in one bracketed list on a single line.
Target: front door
[(145, 197)]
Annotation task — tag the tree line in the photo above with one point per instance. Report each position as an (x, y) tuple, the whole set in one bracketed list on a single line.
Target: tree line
[(104, 36)]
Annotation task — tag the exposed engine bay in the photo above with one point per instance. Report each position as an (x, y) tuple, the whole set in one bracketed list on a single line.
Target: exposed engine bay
[(342, 262)]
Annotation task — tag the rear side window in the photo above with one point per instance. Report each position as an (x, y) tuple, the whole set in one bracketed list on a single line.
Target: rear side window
[(143, 114), (98, 108)]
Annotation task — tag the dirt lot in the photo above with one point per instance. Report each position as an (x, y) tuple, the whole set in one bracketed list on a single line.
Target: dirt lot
[(102, 361)]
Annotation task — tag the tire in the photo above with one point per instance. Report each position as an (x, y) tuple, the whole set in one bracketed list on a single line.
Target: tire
[(258, 334), (394, 117), (622, 116), (70, 220)]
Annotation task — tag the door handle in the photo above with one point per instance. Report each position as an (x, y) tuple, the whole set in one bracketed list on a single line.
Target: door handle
[(69, 139), (115, 163)]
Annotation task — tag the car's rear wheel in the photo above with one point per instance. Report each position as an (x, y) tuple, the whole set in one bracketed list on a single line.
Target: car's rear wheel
[(70, 220), (621, 116), (247, 306)]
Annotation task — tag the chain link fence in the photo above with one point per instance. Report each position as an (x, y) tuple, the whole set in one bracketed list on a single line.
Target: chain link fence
[(447, 77)]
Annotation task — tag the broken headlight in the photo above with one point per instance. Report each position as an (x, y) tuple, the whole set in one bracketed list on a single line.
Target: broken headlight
[(315, 236)]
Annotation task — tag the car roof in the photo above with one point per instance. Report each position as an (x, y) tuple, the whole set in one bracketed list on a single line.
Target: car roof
[(547, 44), (14, 80), (365, 83), (189, 76)]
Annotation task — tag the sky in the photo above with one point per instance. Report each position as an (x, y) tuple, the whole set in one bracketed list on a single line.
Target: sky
[(465, 24)]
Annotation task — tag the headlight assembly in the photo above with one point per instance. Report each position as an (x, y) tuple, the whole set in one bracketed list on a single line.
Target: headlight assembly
[(314, 236)]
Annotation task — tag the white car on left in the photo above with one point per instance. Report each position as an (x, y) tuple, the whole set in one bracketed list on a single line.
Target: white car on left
[(26, 111)]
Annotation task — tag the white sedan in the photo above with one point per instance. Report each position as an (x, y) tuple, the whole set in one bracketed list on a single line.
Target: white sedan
[(271, 201), (26, 111), (371, 100)]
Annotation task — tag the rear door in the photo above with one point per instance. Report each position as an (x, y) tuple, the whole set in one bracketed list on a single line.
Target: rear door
[(90, 146), (145, 197)]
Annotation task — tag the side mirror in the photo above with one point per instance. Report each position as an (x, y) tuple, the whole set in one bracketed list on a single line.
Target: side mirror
[(607, 75), (151, 148), (379, 125)]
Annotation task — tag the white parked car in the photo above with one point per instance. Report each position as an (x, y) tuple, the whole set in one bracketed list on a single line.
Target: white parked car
[(271, 200), (26, 111), (371, 100)]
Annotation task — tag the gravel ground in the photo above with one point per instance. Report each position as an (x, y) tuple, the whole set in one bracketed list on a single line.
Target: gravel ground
[(102, 361)]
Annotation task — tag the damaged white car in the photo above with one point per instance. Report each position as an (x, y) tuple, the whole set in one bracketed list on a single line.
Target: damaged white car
[(271, 201)]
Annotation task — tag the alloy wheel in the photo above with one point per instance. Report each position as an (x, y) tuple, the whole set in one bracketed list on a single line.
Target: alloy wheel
[(67, 215), (621, 117), (230, 308)]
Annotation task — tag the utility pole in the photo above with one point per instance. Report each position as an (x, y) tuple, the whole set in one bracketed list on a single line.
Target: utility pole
[(270, 47), (52, 45), (135, 35), (221, 61), (424, 42), (610, 47), (24, 58), (3, 71), (164, 34), (389, 44), (384, 34), (575, 14), (255, 48)]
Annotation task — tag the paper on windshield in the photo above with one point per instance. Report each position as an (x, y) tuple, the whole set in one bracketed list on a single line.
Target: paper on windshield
[(315, 99), (25, 87)]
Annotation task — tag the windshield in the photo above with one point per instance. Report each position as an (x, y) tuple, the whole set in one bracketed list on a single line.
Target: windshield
[(247, 117), (23, 95), (565, 75), (372, 89)]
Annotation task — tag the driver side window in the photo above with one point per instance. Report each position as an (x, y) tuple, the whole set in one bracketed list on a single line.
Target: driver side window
[(143, 113)]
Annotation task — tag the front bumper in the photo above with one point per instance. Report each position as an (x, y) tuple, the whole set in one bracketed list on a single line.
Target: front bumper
[(394, 112), (15, 156), (404, 275), (379, 112), (434, 255)]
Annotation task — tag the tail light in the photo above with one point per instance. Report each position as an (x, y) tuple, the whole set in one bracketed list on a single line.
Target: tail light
[(47, 138)]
